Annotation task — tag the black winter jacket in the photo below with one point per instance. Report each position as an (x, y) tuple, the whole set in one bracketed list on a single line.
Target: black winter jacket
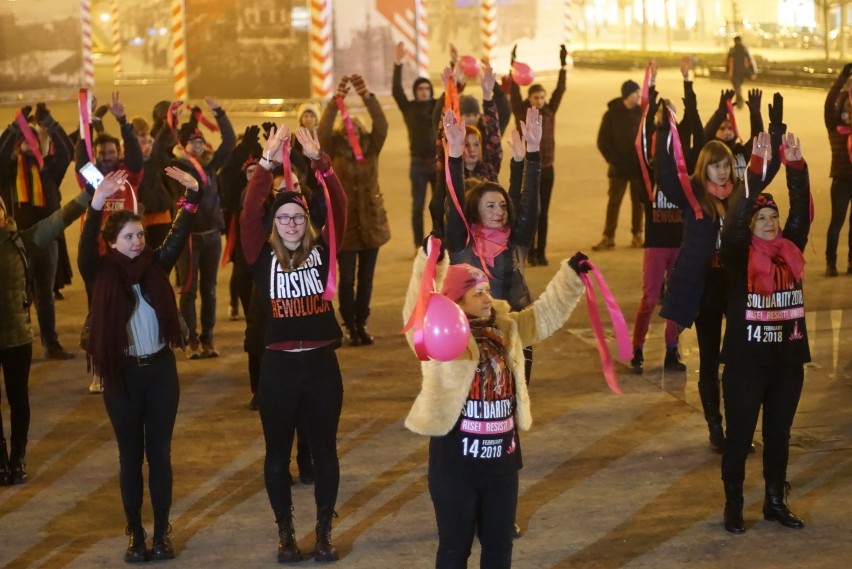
[(616, 139)]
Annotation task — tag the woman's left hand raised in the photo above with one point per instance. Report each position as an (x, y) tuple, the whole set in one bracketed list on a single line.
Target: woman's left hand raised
[(762, 146), (182, 177), (791, 147), (111, 183), (454, 133), (531, 129), (310, 142)]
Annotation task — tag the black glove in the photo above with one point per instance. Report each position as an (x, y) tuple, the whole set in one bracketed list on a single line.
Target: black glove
[(101, 111), (727, 95), (847, 70), (653, 102), (579, 262), (776, 109), (43, 116), (251, 136), (26, 110), (266, 126), (754, 98), (513, 54), (426, 245), (563, 55)]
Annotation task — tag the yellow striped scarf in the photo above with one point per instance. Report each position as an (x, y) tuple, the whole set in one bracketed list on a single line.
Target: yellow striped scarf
[(28, 182)]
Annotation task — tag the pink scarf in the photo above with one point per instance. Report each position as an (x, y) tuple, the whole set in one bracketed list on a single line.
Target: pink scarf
[(488, 243), (764, 256), (720, 192)]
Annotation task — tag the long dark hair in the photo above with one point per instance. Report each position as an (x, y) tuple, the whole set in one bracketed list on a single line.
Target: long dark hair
[(116, 222), (474, 189)]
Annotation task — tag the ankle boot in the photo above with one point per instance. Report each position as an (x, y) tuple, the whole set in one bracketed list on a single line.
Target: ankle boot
[(324, 550), (161, 544), (672, 361), (734, 507), (637, 362), (17, 464), (5, 469), (363, 335), (136, 551), (709, 393), (288, 550), (775, 507), (350, 334)]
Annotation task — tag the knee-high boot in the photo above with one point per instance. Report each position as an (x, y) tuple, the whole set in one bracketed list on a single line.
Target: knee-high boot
[(288, 550), (324, 550), (734, 507), (775, 507), (161, 544), (136, 551), (710, 401)]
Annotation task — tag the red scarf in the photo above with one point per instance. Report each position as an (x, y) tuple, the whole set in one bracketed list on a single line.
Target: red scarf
[(722, 191), (765, 255), (488, 243), (111, 308)]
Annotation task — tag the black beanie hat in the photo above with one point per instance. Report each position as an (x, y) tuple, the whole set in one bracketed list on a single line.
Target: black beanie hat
[(628, 88), (418, 82), (469, 105), (188, 131), (285, 197)]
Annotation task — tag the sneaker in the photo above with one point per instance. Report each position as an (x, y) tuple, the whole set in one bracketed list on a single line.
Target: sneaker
[(96, 387), (637, 362), (605, 245), (57, 352), (638, 241), (193, 349), (208, 350)]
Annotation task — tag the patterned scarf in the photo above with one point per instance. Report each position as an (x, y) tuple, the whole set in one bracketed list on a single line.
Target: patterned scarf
[(764, 256), (28, 182), (495, 374)]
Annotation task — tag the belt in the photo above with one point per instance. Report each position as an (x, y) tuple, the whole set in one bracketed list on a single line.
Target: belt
[(291, 345), (147, 359)]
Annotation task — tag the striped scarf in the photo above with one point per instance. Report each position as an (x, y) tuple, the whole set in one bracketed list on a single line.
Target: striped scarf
[(28, 182)]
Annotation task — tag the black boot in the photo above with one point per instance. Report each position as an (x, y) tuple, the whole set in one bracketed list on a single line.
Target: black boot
[(136, 551), (709, 393), (363, 335), (734, 507), (775, 507), (5, 469), (324, 550), (161, 544), (288, 550), (17, 464), (672, 361), (637, 362), (350, 334)]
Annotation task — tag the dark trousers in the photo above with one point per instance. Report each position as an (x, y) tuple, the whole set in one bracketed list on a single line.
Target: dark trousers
[(15, 364), (43, 270), (199, 263), (708, 326), (421, 172), (241, 284), (544, 192), (296, 385), (142, 409), (355, 299), (466, 497), (748, 387), (617, 187), (841, 194)]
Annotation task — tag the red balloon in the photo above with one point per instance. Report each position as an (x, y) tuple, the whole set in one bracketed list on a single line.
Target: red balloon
[(522, 74), (446, 330), (469, 65)]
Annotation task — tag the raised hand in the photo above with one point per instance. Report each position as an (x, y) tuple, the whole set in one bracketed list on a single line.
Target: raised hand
[(791, 147), (531, 129), (488, 80), (343, 87), (360, 85), (754, 98), (42, 115), (212, 103), (579, 262), (399, 53), (514, 54), (685, 66), (310, 142), (762, 146), (563, 55), (116, 107), (847, 70), (182, 177), (454, 132), (517, 146), (111, 183), (446, 75), (776, 109), (251, 136), (727, 95), (26, 110), (654, 69), (454, 54), (272, 149)]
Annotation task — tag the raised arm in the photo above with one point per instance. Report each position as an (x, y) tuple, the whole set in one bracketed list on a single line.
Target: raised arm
[(173, 244), (720, 115), (559, 90), (226, 129), (455, 232), (527, 208), (379, 130), (830, 114), (321, 163), (396, 83), (88, 254), (798, 223)]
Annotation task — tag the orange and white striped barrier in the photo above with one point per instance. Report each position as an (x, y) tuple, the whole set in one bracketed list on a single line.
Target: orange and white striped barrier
[(179, 77), (116, 38), (568, 39), (421, 21), (411, 28), (489, 28), (86, 34), (322, 58)]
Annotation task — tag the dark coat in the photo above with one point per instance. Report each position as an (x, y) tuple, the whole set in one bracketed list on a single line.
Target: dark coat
[(418, 119), (841, 164), (616, 139)]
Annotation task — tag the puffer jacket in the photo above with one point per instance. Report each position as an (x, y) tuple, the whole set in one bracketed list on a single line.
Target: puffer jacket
[(367, 220), (15, 329), (446, 385)]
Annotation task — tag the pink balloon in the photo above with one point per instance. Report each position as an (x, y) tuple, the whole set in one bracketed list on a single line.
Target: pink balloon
[(446, 330), (469, 65), (522, 74)]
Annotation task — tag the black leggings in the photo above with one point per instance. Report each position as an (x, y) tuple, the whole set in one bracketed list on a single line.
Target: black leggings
[(748, 387), (841, 194), (708, 326), (142, 409), (15, 363), (545, 191), (466, 497), (294, 385)]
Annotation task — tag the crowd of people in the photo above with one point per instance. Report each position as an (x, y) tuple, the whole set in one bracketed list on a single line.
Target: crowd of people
[(304, 218)]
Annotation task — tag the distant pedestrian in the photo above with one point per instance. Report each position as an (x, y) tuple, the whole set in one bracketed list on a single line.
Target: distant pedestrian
[(739, 66), (838, 121)]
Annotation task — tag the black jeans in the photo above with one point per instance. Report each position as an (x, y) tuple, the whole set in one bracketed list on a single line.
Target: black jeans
[(200, 263), (748, 387), (466, 497), (841, 194), (708, 326), (355, 301), (296, 385), (15, 363), (545, 191), (617, 187), (43, 270), (421, 172), (142, 409)]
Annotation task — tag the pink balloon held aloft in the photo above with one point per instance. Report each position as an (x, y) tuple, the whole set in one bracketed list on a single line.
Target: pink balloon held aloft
[(522, 74), (469, 65), (446, 330)]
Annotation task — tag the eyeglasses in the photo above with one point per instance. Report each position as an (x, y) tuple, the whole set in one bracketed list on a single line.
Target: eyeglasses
[(298, 219)]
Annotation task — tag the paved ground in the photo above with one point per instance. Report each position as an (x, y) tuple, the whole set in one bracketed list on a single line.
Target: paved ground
[(609, 481)]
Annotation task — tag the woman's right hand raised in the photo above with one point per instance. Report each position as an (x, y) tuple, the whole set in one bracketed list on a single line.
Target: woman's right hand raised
[(111, 183), (454, 133), (531, 129), (516, 144), (273, 145), (310, 142)]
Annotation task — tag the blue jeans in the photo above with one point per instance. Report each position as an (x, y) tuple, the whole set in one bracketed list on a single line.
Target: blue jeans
[(421, 172), (199, 262)]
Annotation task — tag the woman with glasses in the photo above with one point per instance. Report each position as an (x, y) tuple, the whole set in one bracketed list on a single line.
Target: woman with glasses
[(299, 375)]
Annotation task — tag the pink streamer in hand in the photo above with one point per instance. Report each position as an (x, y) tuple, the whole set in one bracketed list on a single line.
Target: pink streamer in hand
[(680, 162), (32, 141), (331, 280), (427, 287), (350, 130)]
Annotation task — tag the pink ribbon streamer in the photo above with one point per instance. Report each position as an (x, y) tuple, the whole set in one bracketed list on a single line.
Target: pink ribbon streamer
[(350, 130), (427, 287), (30, 137), (199, 116), (288, 168), (641, 142), (451, 190), (331, 280), (732, 118), (680, 162), (84, 106), (619, 325)]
